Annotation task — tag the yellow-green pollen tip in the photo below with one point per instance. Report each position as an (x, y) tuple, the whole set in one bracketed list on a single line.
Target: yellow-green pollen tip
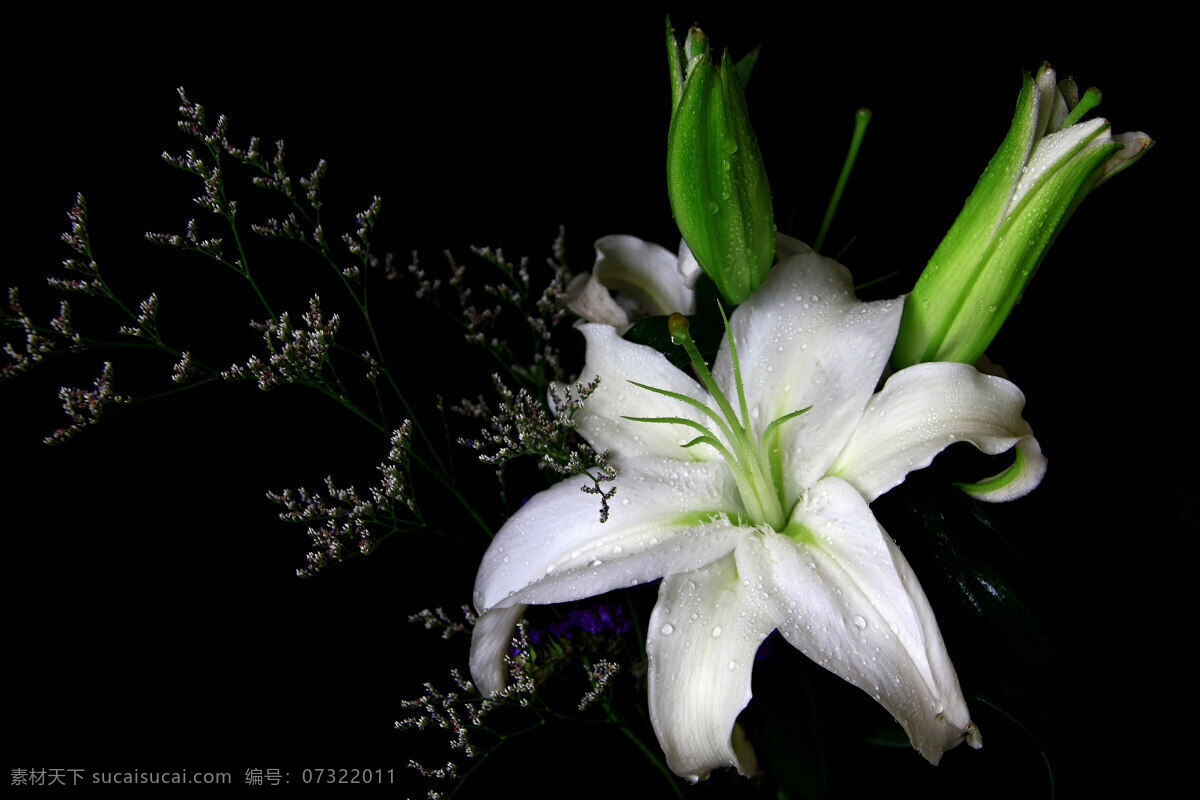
[(677, 326)]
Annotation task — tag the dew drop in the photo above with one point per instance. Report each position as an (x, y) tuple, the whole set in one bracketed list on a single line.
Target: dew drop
[(617, 548), (860, 623), (550, 568), (713, 207), (716, 632), (624, 501), (667, 629), (732, 665)]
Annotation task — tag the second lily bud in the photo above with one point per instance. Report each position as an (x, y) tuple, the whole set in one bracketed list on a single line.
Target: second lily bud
[(1046, 165), (715, 175)]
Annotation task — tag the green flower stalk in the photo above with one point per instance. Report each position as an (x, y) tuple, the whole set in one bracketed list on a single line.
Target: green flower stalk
[(715, 175), (1046, 165)]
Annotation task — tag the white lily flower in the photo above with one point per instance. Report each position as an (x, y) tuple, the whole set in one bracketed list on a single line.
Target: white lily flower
[(761, 521)]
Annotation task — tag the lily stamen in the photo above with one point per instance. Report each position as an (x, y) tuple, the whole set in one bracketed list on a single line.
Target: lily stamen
[(759, 481)]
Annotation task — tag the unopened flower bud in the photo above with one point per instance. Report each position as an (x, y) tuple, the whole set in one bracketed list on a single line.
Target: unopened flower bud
[(715, 175), (1047, 164)]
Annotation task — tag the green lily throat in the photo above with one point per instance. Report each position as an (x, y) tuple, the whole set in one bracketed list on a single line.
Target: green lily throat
[(756, 466)]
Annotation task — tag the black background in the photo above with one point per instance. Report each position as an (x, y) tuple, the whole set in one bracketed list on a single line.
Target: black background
[(153, 617)]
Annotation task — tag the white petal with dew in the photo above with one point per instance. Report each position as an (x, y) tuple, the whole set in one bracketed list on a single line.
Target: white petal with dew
[(602, 420), (842, 594), (665, 518), (702, 639), (924, 409), (1052, 149), (803, 339)]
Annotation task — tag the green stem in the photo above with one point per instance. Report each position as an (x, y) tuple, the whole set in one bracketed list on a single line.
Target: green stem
[(650, 754), (861, 118)]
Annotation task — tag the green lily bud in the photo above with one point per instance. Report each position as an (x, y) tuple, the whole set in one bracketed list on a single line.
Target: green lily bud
[(1046, 165), (715, 175)]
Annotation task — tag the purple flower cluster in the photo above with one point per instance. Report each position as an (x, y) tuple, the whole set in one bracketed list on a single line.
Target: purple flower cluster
[(591, 621)]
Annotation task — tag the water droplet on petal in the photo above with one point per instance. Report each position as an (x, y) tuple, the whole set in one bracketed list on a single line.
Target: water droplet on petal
[(667, 629), (716, 632), (860, 623)]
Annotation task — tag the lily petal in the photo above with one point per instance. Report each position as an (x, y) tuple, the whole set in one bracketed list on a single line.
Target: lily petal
[(555, 549), (788, 246), (490, 641), (689, 268), (703, 636), (647, 274), (603, 419), (804, 340), (589, 298), (925, 408), (841, 592)]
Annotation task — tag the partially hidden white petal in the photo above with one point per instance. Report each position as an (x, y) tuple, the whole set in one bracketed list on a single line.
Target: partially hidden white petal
[(588, 298), (1134, 145), (490, 641), (689, 268), (602, 420), (803, 339), (842, 593), (925, 408), (647, 273), (787, 246), (701, 642)]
